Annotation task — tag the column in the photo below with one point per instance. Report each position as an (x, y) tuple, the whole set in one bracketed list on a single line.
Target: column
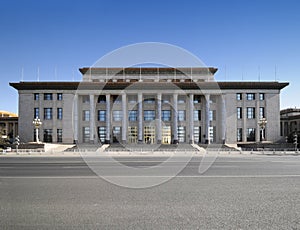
[(191, 117), (75, 118), (175, 118), (223, 119), (207, 121), (140, 118), (257, 118), (124, 118), (92, 119), (159, 123), (107, 141)]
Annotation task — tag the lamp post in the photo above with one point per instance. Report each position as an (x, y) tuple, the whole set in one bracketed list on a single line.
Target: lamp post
[(37, 123), (262, 124)]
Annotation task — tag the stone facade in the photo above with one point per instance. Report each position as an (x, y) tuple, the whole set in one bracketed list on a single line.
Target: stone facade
[(149, 105)]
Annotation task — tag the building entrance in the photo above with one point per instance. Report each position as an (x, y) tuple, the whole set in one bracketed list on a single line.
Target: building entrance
[(166, 135), (149, 134)]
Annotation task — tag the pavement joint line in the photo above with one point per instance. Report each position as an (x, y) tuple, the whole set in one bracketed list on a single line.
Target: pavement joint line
[(138, 176)]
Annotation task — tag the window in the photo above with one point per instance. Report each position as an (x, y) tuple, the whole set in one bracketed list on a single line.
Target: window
[(239, 135), (132, 99), (86, 134), (59, 135), (197, 115), (250, 96), (36, 96), (85, 99), (116, 99), (101, 99), (181, 99), (48, 96), (86, 115), (261, 96), (48, 113), (213, 98), (149, 115), (181, 134), (261, 112), (166, 115), (239, 113), (101, 115), (48, 135), (36, 113), (251, 134), (239, 97), (59, 113), (116, 134), (197, 99), (132, 134), (212, 115), (166, 99), (117, 115), (181, 115), (102, 133), (59, 96), (149, 100), (197, 134), (250, 112), (132, 116)]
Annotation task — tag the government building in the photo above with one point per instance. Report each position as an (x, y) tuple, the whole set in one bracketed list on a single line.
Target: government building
[(150, 105)]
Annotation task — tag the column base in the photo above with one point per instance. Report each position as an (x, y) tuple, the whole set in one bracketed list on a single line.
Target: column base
[(158, 142), (124, 142), (75, 142), (191, 142), (175, 142), (140, 142), (107, 142)]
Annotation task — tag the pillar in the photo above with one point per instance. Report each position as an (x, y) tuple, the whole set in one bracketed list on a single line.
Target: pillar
[(159, 123), (207, 121), (107, 141), (92, 118), (140, 118), (223, 119), (191, 118), (75, 119), (175, 118), (124, 118)]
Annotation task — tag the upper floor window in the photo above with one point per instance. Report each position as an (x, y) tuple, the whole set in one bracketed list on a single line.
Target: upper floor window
[(59, 96), (85, 99), (86, 115), (197, 99), (261, 96), (102, 99), (132, 99), (213, 98), (181, 115), (239, 96), (166, 99), (166, 115), (132, 115), (212, 115), (36, 96), (117, 99), (197, 115), (149, 115), (250, 96), (239, 113), (36, 113), (101, 115), (149, 100), (117, 115), (48, 96), (261, 112), (59, 113), (48, 113), (181, 99), (250, 112)]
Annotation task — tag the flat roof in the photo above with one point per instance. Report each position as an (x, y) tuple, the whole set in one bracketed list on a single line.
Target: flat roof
[(146, 85)]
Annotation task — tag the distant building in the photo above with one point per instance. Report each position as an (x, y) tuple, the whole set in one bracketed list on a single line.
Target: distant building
[(149, 105), (289, 122), (8, 125)]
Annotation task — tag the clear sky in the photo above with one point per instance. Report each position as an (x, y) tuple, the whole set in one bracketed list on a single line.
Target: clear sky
[(244, 39)]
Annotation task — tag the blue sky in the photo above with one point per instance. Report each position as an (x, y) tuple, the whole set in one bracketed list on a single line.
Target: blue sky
[(244, 39)]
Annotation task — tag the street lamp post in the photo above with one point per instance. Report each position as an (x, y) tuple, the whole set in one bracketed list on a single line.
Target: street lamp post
[(262, 124), (37, 123)]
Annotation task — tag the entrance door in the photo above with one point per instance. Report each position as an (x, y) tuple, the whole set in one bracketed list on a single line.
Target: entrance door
[(166, 135), (149, 134)]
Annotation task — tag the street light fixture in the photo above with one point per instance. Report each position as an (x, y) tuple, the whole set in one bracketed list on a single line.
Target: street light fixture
[(37, 123), (262, 124)]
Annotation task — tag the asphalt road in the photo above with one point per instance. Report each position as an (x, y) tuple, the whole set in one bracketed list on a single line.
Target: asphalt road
[(255, 192)]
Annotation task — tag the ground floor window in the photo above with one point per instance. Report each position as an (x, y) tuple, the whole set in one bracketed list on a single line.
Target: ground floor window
[(48, 135), (132, 134), (86, 134), (197, 134), (239, 135), (102, 133), (116, 134), (59, 135), (149, 134), (181, 134), (250, 134), (166, 135)]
